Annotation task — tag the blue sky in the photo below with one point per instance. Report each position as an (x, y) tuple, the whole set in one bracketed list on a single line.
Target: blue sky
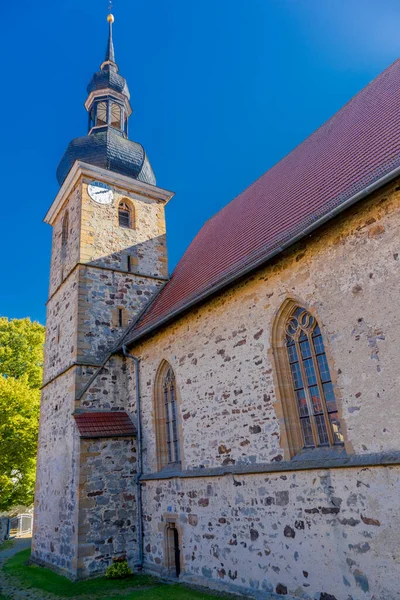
[(221, 90)]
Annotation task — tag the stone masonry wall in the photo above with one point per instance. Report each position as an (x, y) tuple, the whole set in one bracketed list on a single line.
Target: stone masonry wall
[(323, 534), (221, 352), (112, 389), (61, 328), (62, 266), (56, 495), (347, 274), (104, 243), (107, 504), (101, 294)]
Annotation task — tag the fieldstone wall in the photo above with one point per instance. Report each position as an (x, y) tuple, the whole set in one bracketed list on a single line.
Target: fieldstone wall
[(338, 526), (61, 328), (107, 504), (348, 275), (104, 243), (64, 260), (326, 534), (56, 496), (81, 494), (101, 294), (112, 389)]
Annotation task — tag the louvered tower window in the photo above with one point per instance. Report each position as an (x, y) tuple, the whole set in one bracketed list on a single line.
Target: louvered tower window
[(115, 115), (311, 380), (101, 114)]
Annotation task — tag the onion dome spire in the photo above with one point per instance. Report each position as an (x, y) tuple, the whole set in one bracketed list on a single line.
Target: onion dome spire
[(107, 144), (109, 61)]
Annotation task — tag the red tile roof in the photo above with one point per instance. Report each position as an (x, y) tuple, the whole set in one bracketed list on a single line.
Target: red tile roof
[(104, 424), (356, 147)]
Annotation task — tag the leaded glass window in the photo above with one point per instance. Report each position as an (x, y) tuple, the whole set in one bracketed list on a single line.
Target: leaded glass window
[(116, 115), (101, 114), (311, 380), (171, 422)]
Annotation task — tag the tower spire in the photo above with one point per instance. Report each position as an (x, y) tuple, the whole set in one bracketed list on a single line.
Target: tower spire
[(109, 61)]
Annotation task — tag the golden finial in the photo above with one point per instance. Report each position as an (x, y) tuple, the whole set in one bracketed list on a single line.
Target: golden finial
[(110, 18)]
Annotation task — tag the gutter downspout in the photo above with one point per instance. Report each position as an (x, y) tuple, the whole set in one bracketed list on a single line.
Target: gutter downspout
[(140, 460)]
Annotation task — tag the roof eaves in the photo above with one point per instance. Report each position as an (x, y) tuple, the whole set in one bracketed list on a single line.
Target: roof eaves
[(231, 278)]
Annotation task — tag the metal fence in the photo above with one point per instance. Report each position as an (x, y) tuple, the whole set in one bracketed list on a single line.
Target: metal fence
[(21, 525)]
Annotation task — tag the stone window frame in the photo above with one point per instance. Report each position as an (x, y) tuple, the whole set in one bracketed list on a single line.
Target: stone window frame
[(126, 205), (291, 437), (119, 317), (160, 421)]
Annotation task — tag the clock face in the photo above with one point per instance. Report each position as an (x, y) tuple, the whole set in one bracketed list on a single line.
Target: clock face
[(100, 192)]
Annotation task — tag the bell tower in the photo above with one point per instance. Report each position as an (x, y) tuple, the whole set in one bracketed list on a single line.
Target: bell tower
[(108, 261)]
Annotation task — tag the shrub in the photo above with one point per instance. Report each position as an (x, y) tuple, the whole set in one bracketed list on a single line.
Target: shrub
[(118, 570)]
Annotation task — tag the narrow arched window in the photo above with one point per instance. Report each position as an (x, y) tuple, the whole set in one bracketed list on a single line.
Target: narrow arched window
[(311, 380), (171, 422), (125, 214), (305, 388), (101, 114), (166, 414), (115, 115), (65, 227)]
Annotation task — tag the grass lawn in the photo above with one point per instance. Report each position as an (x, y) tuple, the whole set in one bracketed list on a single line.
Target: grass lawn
[(5, 546), (133, 588)]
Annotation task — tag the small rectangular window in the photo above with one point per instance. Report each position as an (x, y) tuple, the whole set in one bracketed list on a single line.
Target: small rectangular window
[(120, 317), (129, 265)]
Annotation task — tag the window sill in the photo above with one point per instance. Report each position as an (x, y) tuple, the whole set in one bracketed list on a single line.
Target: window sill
[(322, 453)]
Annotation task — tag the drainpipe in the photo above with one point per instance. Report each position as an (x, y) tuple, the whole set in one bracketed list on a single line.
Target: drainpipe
[(140, 461)]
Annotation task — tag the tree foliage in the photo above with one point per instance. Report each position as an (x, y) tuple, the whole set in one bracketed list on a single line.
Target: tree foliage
[(21, 358)]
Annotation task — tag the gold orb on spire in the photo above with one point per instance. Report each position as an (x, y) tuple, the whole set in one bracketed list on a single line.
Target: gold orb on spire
[(110, 18)]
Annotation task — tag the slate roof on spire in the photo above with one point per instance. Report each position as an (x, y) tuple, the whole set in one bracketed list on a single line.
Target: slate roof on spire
[(356, 147), (110, 52)]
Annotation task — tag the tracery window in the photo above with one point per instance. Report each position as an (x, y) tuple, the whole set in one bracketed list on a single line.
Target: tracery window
[(115, 115), (125, 215), (311, 380), (171, 422), (166, 417), (101, 114)]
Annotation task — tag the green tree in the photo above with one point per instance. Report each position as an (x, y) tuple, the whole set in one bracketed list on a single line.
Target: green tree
[(21, 359)]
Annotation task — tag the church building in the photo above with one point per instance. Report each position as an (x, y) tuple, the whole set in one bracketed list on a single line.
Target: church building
[(234, 425)]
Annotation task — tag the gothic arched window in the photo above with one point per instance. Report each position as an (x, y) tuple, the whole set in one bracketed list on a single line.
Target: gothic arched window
[(306, 391), (125, 214), (166, 414), (101, 114), (115, 115)]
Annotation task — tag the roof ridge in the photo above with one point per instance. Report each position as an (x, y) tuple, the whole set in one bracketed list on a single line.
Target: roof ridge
[(314, 132)]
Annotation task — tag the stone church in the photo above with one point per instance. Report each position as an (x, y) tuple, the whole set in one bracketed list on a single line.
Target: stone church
[(236, 424)]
